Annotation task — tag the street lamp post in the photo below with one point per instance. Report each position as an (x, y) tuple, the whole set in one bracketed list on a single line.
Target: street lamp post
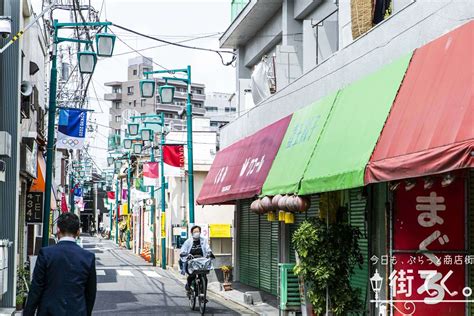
[(52, 115), (148, 135), (147, 89)]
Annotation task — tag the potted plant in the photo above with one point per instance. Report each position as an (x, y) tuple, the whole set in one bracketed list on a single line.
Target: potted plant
[(227, 271), (328, 254), (22, 287), (20, 300)]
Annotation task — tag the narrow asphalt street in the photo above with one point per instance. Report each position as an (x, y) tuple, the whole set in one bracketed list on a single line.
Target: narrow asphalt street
[(127, 285)]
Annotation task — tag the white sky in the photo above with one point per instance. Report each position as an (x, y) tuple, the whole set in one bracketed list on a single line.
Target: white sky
[(172, 20)]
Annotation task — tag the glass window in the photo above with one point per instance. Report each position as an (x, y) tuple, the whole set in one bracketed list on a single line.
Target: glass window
[(117, 131), (130, 90), (118, 118), (143, 102), (135, 103), (117, 89), (117, 105), (134, 72)]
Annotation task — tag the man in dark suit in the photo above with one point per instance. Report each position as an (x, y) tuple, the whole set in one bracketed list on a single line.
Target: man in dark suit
[(64, 280)]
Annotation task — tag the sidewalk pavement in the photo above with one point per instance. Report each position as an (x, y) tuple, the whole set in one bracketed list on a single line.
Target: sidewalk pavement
[(269, 306)]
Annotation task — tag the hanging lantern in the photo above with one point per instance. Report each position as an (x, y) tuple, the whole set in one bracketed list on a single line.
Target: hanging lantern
[(267, 204), (271, 216), (289, 218), (281, 216), (275, 201), (291, 204), (282, 202), (302, 204)]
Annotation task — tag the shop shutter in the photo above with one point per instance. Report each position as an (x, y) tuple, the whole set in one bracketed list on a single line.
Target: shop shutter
[(357, 218), (254, 250), (471, 231), (265, 256), (244, 241), (299, 218), (274, 251)]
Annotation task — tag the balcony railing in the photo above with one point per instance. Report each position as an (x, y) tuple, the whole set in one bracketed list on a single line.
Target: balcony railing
[(113, 96)]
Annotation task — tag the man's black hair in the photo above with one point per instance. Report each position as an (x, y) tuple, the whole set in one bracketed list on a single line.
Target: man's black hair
[(195, 226), (68, 223)]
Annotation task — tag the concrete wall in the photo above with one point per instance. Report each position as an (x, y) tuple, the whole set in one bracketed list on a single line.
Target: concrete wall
[(411, 27)]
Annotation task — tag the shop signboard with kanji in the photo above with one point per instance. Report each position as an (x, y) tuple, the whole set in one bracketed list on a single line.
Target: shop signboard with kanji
[(430, 254), (34, 207)]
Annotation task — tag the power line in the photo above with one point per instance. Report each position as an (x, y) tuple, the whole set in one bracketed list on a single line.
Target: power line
[(163, 45), (218, 52), (118, 37)]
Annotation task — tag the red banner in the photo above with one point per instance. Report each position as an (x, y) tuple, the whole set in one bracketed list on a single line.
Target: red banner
[(173, 155), (429, 243)]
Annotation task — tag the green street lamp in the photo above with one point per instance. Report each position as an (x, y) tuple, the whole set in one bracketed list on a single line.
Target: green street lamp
[(117, 164), (147, 134), (110, 160), (127, 143), (147, 88), (133, 129), (137, 148), (166, 94), (105, 43), (87, 60)]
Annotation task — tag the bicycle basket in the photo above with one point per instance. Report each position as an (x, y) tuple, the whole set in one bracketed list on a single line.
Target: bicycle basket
[(199, 265)]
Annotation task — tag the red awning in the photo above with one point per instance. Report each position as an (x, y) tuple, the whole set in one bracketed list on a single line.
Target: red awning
[(239, 171), (430, 128)]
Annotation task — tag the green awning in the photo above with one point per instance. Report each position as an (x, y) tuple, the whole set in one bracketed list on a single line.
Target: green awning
[(352, 130), (296, 148)]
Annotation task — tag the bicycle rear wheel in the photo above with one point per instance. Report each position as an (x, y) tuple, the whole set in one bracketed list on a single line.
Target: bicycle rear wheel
[(202, 294)]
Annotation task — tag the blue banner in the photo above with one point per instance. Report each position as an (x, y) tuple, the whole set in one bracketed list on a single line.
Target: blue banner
[(72, 128)]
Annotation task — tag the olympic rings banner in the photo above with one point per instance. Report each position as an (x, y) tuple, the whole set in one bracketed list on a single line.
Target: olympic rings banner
[(71, 128)]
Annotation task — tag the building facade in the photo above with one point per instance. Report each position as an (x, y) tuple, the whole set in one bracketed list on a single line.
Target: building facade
[(126, 99), (339, 83), (221, 108)]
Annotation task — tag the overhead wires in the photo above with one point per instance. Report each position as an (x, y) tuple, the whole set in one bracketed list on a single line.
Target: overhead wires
[(218, 52)]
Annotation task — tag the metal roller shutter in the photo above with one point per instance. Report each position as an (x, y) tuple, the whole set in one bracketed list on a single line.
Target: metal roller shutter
[(258, 250), (274, 257), (357, 218), (244, 242), (265, 258)]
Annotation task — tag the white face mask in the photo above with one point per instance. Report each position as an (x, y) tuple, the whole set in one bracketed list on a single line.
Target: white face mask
[(196, 235)]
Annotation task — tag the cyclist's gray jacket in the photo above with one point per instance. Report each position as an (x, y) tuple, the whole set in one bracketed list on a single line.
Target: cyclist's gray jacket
[(188, 244)]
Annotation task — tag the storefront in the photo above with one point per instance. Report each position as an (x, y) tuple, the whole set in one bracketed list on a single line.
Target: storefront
[(237, 175), (383, 150)]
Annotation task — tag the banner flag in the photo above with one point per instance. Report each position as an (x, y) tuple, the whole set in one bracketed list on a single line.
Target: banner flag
[(173, 158), (110, 197), (64, 207), (150, 174), (78, 199), (72, 127)]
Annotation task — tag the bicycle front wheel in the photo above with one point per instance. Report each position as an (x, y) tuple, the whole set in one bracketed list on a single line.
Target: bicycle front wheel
[(202, 294), (192, 297)]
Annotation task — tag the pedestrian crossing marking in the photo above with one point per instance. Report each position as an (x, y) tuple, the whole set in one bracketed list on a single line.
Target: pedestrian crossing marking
[(151, 274), (124, 273), (100, 272)]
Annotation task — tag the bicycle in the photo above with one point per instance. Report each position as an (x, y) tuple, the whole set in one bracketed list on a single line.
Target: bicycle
[(198, 267)]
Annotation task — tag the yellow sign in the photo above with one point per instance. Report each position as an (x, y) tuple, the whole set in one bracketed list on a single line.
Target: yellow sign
[(219, 231), (163, 225), (124, 209)]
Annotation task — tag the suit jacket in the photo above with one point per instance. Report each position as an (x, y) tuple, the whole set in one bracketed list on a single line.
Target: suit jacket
[(64, 282)]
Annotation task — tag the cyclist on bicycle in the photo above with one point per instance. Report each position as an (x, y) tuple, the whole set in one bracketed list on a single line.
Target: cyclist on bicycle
[(195, 246)]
